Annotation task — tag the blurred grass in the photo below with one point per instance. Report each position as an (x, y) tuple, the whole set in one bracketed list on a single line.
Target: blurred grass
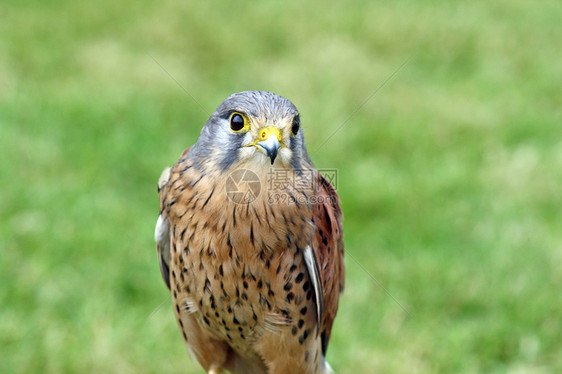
[(450, 176)]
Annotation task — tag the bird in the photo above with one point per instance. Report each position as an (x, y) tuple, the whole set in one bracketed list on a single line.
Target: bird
[(250, 242)]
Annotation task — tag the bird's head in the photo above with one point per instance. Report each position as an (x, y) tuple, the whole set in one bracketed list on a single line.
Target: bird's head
[(252, 128)]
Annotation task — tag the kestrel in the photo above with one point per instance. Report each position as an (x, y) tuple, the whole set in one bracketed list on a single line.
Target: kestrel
[(249, 240)]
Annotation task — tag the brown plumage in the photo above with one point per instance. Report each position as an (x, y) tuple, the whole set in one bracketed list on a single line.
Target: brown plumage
[(256, 282)]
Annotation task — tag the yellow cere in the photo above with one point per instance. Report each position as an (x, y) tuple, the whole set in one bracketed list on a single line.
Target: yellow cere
[(266, 132)]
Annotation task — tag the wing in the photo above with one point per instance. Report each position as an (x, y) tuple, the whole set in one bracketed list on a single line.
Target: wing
[(162, 229), (162, 234), (327, 251)]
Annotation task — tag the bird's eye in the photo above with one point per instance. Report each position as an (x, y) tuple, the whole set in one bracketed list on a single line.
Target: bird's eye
[(237, 122), (296, 125)]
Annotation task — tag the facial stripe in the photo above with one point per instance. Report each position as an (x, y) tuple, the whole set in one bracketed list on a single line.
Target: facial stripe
[(230, 145)]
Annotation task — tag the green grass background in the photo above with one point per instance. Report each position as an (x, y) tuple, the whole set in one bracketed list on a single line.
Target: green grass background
[(450, 176)]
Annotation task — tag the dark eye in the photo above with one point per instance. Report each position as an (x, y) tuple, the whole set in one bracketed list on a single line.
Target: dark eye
[(296, 125), (237, 122)]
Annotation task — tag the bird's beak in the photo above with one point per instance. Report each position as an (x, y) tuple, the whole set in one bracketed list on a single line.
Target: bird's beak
[(269, 141)]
